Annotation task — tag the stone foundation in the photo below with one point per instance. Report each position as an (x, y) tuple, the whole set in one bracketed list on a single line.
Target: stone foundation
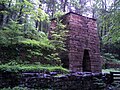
[(51, 80)]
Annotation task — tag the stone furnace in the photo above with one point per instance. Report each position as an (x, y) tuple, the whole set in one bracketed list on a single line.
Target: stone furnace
[(82, 43)]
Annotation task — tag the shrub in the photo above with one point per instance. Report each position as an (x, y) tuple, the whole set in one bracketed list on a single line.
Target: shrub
[(108, 57), (30, 68), (31, 51)]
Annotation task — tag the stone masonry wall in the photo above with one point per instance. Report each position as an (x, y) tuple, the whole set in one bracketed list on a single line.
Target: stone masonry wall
[(51, 80), (82, 36), (82, 43)]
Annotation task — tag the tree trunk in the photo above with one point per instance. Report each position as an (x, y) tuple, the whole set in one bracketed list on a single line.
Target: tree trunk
[(64, 6), (20, 15), (2, 8), (8, 16)]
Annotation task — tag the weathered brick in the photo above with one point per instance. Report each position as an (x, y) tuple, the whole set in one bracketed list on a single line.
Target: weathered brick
[(83, 43)]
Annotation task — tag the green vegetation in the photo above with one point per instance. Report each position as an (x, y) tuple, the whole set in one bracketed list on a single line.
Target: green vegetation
[(110, 70), (25, 33), (99, 83), (108, 20), (25, 42), (16, 88), (108, 57), (31, 68)]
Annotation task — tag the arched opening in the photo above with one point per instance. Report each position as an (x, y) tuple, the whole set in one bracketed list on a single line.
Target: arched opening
[(65, 63), (64, 60), (86, 61)]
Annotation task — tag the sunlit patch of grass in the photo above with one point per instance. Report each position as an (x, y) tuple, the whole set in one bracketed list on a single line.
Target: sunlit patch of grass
[(110, 70), (31, 68)]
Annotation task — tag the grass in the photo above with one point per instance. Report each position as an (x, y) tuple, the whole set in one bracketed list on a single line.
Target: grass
[(110, 70), (31, 68), (16, 88)]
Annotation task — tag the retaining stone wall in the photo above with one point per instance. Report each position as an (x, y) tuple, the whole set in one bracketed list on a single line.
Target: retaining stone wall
[(50, 80)]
